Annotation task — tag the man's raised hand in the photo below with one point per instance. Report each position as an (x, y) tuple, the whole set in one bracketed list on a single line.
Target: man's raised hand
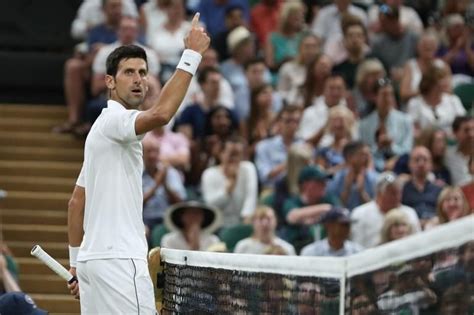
[(197, 39)]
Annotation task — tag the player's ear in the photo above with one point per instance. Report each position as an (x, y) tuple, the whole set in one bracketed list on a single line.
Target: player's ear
[(110, 82)]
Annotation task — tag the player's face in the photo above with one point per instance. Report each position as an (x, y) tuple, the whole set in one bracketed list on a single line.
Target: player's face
[(130, 84)]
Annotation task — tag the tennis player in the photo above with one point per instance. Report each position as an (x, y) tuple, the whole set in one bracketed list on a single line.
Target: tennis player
[(107, 241)]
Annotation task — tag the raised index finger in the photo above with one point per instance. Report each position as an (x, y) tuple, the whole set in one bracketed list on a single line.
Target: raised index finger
[(195, 21)]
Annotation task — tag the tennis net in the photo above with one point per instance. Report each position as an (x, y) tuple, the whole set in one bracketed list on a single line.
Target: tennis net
[(427, 273)]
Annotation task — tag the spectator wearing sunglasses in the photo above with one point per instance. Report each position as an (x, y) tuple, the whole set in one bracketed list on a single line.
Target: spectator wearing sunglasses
[(396, 126), (368, 219)]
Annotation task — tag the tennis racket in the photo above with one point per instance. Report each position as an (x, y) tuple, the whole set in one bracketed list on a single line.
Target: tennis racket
[(52, 263)]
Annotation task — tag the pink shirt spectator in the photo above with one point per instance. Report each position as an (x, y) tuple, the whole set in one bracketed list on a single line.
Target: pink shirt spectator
[(174, 147)]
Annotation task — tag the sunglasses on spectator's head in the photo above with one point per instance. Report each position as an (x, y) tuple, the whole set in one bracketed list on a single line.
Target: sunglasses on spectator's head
[(387, 178), (388, 10), (383, 82), (385, 9)]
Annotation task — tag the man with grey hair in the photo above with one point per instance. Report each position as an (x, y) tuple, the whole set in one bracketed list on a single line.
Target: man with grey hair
[(368, 218)]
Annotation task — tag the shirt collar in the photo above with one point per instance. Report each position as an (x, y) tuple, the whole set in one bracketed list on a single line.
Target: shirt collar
[(114, 105)]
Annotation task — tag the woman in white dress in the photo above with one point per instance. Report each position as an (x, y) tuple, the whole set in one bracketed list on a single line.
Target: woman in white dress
[(434, 107)]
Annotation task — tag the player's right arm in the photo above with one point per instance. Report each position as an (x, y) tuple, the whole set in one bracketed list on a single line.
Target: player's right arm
[(175, 89), (75, 216)]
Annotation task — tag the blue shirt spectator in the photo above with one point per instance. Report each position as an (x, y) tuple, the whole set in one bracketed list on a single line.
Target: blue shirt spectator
[(336, 187), (423, 201), (101, 34), (395, 125), (399, 129), (213, 13), (194, 115), (154, 209), (322, 248), (355, 183), (337, 223), (270, 153), (420, 193)]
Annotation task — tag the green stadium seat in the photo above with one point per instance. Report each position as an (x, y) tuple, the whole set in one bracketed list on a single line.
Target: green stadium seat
[(157, 234), (233, 234), (465, 92)]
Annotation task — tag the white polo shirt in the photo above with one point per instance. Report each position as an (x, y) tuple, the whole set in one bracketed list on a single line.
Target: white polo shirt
[(368, 220), (112, 178)]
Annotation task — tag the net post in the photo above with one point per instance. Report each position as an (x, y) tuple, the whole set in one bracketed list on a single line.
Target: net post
[(155, 267), (342, 286)]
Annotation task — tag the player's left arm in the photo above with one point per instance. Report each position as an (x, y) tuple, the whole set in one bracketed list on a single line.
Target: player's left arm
[(75, 219)]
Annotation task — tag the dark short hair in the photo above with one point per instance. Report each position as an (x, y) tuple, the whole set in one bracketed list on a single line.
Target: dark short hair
[(204, 73), (252, 62), (290, 109), (232, 8), (459, 120), (123, 53), (351, 148)]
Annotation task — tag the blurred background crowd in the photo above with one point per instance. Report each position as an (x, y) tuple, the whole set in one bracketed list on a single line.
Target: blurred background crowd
[(313, 127)]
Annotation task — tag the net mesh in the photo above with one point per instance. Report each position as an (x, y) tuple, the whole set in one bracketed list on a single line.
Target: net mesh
[(429, 273), (189, 290)]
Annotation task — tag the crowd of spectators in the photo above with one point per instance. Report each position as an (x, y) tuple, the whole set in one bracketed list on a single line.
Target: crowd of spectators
[(327, 126), (304, 106)]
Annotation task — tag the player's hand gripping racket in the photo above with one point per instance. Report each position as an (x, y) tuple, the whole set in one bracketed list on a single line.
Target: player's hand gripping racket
[(39, 253)]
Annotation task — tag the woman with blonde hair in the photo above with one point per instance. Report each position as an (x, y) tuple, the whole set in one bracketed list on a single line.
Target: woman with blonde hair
[(452, 205), (299, 156), (364, 94), (293, 73), (283, 44), (395, 226), (264, 239)]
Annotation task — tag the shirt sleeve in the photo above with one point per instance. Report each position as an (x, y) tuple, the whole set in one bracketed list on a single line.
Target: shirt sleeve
[(335, 186), (406, 143), (130, 8), (81, 181), (120, 126), (251, 186), (413, 217), (357, 226), (79, 25), (98, 65), (173, 180), (318, 26), (288, 205), (213, 189), (458, 107), (153, 63), (263, 161)]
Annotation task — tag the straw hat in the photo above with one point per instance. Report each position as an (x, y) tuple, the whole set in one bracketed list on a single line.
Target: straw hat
[(237, 36), (212, 216)]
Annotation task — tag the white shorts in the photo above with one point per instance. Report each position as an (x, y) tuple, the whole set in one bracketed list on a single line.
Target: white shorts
[(115, 286)]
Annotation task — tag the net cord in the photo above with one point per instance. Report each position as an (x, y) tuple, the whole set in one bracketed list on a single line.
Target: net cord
[(420, 244)]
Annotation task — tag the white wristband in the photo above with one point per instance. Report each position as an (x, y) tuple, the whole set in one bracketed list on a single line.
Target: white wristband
[(189, 61), (73, 251)]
